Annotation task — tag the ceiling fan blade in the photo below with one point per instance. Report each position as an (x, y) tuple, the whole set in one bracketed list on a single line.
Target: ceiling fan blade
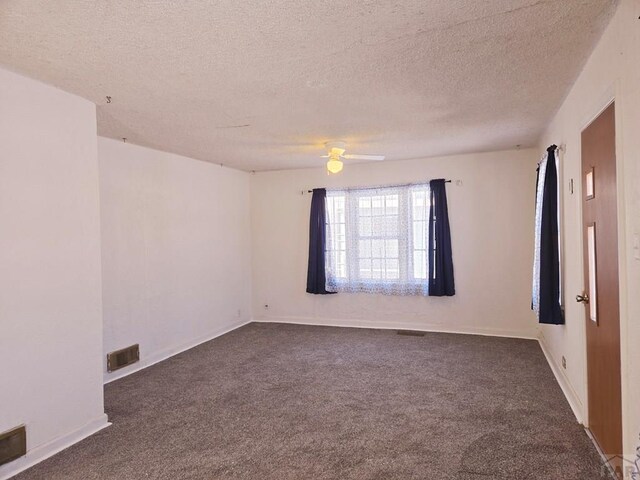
[(363, 157)]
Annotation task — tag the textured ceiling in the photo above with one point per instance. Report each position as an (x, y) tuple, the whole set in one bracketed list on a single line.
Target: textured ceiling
[(262, 84)]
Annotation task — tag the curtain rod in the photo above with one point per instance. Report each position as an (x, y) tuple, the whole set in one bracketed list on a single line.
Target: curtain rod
[(558, 148), (381, 186)]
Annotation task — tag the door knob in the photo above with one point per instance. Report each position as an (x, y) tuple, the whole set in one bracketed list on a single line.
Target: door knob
[(582, 298)]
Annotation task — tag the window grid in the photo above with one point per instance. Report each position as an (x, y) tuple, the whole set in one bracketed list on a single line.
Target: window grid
[(378, 237)]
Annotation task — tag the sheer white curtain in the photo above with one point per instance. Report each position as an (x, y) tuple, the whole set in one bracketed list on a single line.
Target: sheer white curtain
[(535, 298), (377, 240)]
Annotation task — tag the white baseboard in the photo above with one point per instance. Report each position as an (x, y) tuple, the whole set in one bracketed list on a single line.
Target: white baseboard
[(565, 385), (169, 352), (45, 451), (402, 325), (42, 452)]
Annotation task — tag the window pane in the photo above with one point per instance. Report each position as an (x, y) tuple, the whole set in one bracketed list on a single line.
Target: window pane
[(364, 206), (365, 249), (377, 229), (419, 264), (418, 235), (342, 264), (365, 226), (377, 203), (365, 269), (385, 226), (377, 248), (390, 226), (419, 205), (376, 267), (392, 205), (391, 248), (393, 269)]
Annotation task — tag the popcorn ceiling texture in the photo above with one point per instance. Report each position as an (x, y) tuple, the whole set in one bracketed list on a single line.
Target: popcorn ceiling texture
[(261, 85)]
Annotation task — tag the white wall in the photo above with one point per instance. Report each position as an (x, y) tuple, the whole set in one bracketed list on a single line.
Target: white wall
[(50, 305), (491, 218), (613, 70), (176, 257)]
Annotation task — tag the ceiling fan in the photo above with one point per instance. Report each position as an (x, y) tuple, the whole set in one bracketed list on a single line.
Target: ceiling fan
[(335, 154)]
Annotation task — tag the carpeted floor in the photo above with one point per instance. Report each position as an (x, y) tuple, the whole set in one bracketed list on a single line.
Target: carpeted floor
[(272, 401)]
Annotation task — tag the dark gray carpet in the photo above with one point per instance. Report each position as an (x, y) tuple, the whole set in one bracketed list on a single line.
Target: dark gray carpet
[(281, 402)]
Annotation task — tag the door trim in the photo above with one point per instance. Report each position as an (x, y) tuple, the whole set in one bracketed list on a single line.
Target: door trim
[(611, 94), (603, 341), (607, 98), (614, 93)]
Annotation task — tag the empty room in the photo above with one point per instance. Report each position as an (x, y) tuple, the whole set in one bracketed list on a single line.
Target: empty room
[(299, 240)]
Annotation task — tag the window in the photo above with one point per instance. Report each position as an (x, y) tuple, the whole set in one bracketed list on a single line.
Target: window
[(377, 240)]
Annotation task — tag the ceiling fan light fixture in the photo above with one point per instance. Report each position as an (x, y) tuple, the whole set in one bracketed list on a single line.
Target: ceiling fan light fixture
[(334, 165), (336, 154)]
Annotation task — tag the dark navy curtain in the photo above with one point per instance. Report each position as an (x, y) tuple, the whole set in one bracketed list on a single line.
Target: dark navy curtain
[(441, 281), (550, 310), (316, 277)]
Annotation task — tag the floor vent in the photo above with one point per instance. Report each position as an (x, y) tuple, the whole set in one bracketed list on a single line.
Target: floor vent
[(122, 358), (411, 333), (13, 444)]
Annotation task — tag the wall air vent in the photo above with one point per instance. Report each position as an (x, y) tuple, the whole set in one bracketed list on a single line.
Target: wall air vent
[(13, 444), (411, 333), (122, 358)]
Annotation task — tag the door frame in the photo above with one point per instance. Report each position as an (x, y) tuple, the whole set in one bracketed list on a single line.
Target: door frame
[(610, 95)]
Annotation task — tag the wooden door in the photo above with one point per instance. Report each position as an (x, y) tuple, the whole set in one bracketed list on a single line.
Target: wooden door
[(601, 296)]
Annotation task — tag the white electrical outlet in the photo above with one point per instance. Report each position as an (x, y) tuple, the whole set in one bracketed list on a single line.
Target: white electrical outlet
[(636, 246)]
